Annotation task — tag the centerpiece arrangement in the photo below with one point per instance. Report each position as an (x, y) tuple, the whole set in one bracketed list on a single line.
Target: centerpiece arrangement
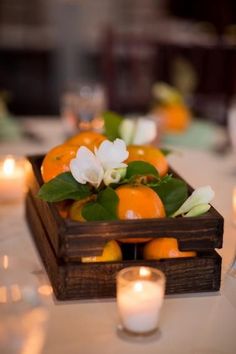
[(102, 202)]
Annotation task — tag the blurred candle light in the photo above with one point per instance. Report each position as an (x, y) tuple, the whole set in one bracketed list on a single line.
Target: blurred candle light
[(15, 293), (3, 294), (12, 178), (45, 290), (5, 261)]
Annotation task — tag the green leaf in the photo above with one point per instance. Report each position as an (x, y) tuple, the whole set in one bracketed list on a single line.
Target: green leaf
[(62, 187), (158, 181), (104, 208), (165, 151), (172, 193), (140, 168), (112, 123)]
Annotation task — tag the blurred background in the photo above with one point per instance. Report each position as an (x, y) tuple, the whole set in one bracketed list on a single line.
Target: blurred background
[(48, 46)]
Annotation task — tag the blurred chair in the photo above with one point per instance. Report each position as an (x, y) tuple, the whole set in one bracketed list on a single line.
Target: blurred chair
[(131, 63), (128, 65)]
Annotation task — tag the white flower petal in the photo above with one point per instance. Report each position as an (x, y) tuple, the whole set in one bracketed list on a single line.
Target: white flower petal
[(86, 167), (112, 154), (94, 176), (201, 195), (145, 132), (127, 129), (76, 172), (198, 210)]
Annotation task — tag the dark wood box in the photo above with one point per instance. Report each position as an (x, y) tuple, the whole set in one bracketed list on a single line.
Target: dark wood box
[(62, 243)]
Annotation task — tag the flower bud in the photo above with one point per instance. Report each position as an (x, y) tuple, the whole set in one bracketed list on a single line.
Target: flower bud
[(114, 175), (127, 130), (198, 210), (201, 195)]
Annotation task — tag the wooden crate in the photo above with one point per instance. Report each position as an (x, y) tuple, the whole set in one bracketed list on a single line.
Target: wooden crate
[(62, 243)]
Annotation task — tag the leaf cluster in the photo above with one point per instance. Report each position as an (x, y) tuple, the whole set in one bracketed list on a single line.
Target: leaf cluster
[(172, 191)]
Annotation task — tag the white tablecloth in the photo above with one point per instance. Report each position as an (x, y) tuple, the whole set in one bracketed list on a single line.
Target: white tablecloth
[(190, 324)]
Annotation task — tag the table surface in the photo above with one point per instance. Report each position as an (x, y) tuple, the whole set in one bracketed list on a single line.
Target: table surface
[(190, 324)]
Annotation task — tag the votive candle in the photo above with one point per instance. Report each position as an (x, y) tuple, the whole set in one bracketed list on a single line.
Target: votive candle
[(140, 293), (12, 178)]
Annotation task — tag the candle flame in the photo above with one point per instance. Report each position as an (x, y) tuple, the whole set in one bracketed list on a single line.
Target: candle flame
[(3, 295), (138, 286), (9, 166), (15, 293), (144, 272), (234, 200), (5, 261), (45, 290)]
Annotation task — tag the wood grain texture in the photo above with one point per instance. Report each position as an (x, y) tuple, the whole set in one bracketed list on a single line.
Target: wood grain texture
[(72, 240), (75, 280)]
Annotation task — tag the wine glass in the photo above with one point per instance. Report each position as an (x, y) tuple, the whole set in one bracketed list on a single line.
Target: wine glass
[(23, 310), (82, 106), (231, 120)]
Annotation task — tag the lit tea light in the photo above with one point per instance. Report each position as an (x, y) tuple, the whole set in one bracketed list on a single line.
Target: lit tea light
[(140, 293), (12, 179), (5, 261), (45, 290)]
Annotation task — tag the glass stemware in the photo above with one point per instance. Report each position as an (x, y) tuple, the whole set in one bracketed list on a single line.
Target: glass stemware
[(81, 108)]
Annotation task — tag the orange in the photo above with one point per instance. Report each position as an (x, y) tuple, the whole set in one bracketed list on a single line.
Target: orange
[(174, 117), (75, 212), (63, 208), (165, 247), (138, 202), (111, 252), (90, 139), (57, 161), (148, 154)]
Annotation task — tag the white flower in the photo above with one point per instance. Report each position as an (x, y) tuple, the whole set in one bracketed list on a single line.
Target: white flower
[(112, 154), (86, 167), (138, 131), (113, 175), (105, 164), (201, 195)]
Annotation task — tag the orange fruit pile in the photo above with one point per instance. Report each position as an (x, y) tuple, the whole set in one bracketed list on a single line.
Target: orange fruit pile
[(135, 201)]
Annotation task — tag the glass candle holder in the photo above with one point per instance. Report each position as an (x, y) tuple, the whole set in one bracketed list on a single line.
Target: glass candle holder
[(12, 178), (140, 294), (24, 312)]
